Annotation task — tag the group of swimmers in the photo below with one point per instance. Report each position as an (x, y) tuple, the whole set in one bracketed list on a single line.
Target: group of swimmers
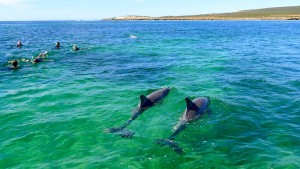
[(40, 58)]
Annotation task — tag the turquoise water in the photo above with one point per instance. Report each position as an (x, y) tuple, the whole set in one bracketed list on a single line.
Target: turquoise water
[(53, 114)]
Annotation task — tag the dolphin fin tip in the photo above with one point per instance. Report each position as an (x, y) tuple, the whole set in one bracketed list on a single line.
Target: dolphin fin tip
[(143, 99), (187, 99), (145, 102), (189, 102)]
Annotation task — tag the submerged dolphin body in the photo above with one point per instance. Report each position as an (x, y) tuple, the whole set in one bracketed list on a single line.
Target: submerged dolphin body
[(194, 110), (145, 103)]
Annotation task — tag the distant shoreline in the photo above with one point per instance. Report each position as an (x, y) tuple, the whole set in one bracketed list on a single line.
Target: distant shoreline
[(279, 13), (197, 18)]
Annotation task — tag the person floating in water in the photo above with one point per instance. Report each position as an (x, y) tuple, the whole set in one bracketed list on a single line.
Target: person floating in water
[(40, 58), (75, 47), (14, 64), (57, 45), (19, 44)]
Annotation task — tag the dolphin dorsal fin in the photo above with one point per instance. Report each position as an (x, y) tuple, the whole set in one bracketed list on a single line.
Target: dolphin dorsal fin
[(190, 105), (144, 99), (145, 102)]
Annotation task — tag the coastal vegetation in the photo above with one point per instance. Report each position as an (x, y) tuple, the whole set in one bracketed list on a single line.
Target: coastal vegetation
[(278, 13)]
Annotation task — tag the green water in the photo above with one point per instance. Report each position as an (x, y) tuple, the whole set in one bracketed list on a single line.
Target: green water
[(53, 114)]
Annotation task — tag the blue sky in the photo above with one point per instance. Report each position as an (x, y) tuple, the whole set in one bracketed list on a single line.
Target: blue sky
[(12, 10)]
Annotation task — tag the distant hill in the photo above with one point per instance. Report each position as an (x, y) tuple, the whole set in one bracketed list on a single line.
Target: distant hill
[(279, 13)]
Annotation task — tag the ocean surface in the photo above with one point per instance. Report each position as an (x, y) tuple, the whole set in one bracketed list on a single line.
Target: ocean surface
[(53, 114)]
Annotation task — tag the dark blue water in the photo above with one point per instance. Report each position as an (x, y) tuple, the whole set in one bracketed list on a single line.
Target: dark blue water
[(53, 113)]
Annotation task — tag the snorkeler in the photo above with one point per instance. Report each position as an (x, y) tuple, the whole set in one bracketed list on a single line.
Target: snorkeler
[(40, 58), (57, 45), (14, 64), (19, 44), (75, 47)]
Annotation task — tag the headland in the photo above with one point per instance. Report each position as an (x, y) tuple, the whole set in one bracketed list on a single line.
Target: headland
[(278, 13)]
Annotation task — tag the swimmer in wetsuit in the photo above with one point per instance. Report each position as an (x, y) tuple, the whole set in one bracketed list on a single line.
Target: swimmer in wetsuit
[(14, 64), (75, 47), (40, 58), (19, 44), (37, 60), (57, 45)]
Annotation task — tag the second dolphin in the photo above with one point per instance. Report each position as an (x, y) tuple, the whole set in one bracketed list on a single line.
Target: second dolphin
[(194, 110)]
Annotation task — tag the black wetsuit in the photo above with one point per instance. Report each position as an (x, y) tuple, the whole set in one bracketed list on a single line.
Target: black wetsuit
[(37, 60)]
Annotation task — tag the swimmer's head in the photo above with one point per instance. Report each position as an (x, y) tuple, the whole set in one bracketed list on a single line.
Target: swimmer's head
[(14, 64), (75, 47), (19, 44), (57, 44)]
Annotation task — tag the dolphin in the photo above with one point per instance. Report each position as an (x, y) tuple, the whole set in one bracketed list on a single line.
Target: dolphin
[(145, 103), (194, 110)]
